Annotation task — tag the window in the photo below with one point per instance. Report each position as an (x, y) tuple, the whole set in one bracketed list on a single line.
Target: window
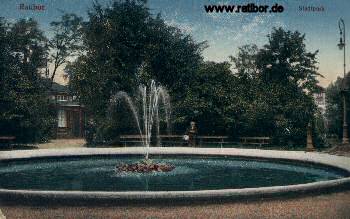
[(62, 121), (62, 98)]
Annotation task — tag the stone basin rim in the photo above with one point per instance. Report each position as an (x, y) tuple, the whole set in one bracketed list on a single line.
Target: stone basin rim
[(259, 192)]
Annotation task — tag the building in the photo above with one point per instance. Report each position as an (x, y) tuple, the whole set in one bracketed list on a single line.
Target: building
[(70, 114), (320, 100)]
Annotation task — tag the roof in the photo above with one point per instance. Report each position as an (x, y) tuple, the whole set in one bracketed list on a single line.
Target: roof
[(59, 88)]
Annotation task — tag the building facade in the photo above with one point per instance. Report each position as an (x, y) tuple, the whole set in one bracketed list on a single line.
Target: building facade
[(70, 114)]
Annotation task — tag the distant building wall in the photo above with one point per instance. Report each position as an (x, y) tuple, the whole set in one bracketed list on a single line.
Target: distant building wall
[(70, 114)]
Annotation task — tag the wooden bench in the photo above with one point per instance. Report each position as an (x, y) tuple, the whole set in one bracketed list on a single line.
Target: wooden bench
[(212, 139), (7, 140), (172, 139), (178, 139), (132, 139), (255, 140)]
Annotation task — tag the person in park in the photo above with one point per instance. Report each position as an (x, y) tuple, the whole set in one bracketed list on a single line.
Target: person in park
[(191, 134)]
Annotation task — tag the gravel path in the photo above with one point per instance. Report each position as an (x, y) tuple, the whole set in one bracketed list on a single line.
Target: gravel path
[(62, 143), (336, 205)]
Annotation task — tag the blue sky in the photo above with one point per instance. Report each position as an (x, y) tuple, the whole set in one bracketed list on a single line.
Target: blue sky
[(227, 31)]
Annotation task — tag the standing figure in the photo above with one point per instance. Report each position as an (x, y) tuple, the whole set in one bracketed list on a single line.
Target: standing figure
[(192, 134)]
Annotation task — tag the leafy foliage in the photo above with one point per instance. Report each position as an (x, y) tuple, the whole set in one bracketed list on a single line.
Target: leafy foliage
[(211, 100), (264, 91), (268, 93), (65, 42), (24, 111), (334, 107), (124, 46), (285, 60), (278, 80)]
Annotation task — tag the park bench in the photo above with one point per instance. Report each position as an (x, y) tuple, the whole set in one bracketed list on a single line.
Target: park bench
[(7, 140), (178, 139), (255, 140), (132, 139), (212, 139), (138, 139), (172, 139)]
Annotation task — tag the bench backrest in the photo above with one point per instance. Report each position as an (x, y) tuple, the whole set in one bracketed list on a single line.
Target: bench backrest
[(7, 137), (256, 138), (213, 137), (171, 136), (132, 136)]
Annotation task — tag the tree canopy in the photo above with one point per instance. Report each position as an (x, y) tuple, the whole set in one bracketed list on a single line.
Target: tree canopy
[(278, 82), (266, 92), (334, 110), (262, 91), (124, 46), (24, 107)]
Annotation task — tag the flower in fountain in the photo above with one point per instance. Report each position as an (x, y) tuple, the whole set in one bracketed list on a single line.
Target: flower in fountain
[(145, 166)]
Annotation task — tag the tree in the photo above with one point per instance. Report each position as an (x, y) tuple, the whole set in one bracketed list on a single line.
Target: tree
[(211, 100), (27, 43), (278, 81), (171, 57), (65, 42), (269, 93), (256, 116), (25, 111), (284, 60), (245, 61), (125, 46), (334, 107), (115, 41)]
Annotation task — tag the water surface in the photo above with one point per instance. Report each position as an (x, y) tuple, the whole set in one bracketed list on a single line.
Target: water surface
[(191, 173)]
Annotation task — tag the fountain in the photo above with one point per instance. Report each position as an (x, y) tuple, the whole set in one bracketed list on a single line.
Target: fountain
[(151, 98), (90, 176)]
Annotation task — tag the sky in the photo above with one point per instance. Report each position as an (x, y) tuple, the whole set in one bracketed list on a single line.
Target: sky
[(224, 32)]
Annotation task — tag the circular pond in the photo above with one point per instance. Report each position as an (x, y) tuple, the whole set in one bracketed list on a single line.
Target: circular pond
[(89, 176), (191, 173)]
